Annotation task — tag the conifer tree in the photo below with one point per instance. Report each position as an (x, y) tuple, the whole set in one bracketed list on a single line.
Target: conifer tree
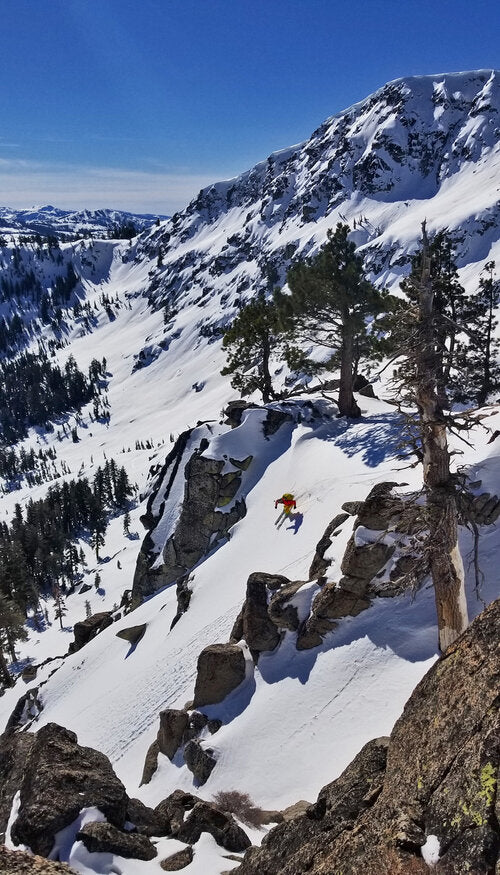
[(11, 626), (252, 337), (424, 373), (478, 368), (330, 305)]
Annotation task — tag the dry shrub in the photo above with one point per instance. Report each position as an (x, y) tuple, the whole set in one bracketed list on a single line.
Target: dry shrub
[(240, 806)]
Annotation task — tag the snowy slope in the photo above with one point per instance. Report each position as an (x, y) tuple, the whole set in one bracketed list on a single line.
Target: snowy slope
[(300, 717)]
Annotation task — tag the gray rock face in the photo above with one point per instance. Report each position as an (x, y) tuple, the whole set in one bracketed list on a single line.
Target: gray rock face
[(173, 809), (439, 778), (365, 561), (150, 762), (199, 761), (106, 838), (257, 628), (89, 628), (59, 778), (145, 820), (15, 751), (206, 817), (292, 846), (173, 724), (221, 668), (199, 526), (319, 564), (281, 612)]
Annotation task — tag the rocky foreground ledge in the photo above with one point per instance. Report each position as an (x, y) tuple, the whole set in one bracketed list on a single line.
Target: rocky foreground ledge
[(19, 863), (424, 800)]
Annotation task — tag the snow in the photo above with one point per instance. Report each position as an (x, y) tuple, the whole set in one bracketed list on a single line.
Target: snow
[(430, 851), (299, 717)]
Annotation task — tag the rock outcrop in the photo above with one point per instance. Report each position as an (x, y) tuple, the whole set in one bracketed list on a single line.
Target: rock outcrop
[(221, 668), (437, 776), (101, 837), (56, 779), (89, 628), (207, 817), (200, 524)]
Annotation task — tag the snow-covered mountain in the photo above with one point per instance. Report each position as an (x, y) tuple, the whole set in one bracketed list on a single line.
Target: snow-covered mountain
[(425, 147), (419, 148), (70, 223)]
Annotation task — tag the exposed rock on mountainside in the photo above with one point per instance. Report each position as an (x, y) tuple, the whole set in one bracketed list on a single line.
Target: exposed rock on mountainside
[(89, 628), (201, 522), (440, 780), (221, 668)]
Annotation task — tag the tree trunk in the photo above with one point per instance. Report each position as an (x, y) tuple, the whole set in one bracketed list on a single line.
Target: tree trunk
[(267, 388), (4, 671), (445, 560), (347, 402)]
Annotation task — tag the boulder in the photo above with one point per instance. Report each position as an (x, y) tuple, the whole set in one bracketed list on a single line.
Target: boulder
[(173, 724), (145, 820), (59, 778), (207, 817), (334, 602), (89, 628), (29, 673), (382, 509), (150, 763), (178, 861), (199, 761), (234, 411), (258, 630), (172, 810), (104, 838), (195, 726), (221, 668), (132, 634), (367, 560)]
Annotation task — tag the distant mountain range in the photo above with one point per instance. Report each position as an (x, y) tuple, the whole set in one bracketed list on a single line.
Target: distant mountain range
[(51, 220)]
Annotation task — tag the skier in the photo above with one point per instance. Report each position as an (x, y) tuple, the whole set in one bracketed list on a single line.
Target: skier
[(288, 502)]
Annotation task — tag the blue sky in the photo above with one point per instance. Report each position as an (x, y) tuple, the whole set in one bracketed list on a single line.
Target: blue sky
[(137, 104)]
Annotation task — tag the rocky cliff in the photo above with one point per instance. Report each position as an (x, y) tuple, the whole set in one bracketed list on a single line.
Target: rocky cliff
[(426, 797)]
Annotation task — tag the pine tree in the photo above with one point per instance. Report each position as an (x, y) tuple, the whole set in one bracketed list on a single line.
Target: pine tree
[(252, 337), (331, 305), (424, 372), (60, 608), (478, 369), (450, 307), (11, 626)]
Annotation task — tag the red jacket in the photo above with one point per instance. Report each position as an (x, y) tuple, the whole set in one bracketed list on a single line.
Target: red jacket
[(288, 503)]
